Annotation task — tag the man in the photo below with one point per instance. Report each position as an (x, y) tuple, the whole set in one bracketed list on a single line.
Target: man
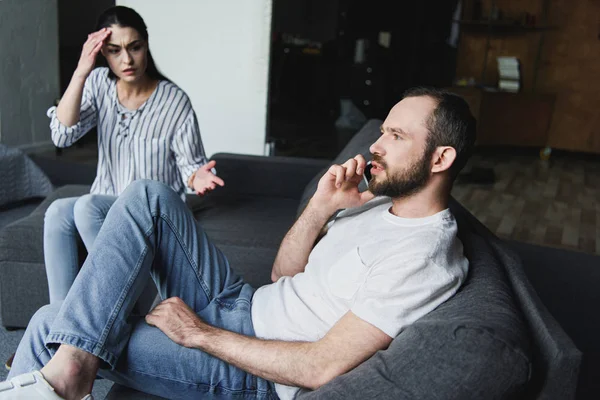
[(391, 257)]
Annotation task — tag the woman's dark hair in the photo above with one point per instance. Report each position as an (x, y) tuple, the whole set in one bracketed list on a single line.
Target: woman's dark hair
[(127, 18), (450, 124)]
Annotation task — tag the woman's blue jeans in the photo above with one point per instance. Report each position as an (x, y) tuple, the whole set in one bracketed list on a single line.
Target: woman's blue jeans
[(66, 220), (149, 232)]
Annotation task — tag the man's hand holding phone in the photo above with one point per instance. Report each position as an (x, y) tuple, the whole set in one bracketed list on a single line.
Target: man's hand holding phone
[(338, 188)]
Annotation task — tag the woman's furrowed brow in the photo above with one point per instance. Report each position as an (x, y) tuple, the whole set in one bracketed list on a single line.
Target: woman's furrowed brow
[(133, 43)]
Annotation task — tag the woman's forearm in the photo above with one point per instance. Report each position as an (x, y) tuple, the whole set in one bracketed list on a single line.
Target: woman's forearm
[(68, 110)]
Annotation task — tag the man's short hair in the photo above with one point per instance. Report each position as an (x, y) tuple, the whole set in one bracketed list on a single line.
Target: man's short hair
[(450, 124)]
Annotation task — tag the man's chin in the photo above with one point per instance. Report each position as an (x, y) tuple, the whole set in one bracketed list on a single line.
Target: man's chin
[(376, 187)]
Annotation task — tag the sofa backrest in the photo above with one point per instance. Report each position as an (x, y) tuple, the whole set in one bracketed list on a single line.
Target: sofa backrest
[(555, 358)]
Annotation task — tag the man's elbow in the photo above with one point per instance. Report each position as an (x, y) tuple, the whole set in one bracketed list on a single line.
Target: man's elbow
[(274, 276), (316, 382), (323, 375)]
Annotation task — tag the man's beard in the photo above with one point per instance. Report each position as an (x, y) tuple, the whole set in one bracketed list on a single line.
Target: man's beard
[(403, 183)]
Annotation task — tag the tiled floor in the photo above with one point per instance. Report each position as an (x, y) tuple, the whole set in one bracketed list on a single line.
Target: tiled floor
[(555, 203)]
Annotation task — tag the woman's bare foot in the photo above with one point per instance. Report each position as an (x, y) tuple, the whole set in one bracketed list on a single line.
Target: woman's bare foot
[(71, 372)]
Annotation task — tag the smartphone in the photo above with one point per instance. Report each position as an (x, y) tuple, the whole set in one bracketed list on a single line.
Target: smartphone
[(367, 173)]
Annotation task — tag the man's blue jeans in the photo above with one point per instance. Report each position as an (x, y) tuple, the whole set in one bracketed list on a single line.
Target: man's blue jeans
[(65, 220), (149, 231)]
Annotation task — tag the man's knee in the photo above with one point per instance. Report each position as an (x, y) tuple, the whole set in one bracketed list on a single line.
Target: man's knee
[(149, 188)]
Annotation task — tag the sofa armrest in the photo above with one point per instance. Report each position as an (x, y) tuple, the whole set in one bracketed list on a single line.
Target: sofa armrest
[(265, 176)]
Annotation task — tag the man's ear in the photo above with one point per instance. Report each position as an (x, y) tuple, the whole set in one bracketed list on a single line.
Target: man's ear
[(443, 158)]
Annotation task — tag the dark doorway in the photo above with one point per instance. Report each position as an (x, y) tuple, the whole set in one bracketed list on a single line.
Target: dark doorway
[(337, 63)]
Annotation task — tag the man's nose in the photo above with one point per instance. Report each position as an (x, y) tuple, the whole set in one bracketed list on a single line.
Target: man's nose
[(376, 148)]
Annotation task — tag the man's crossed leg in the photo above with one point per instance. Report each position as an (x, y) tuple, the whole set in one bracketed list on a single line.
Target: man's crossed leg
[(148, 232)]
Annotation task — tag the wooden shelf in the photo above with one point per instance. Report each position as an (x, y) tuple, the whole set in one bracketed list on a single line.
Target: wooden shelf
[(509, 119)]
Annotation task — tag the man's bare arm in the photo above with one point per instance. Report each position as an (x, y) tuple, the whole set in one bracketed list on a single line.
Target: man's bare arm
[(297, 244), (305, 364), (337, 189)]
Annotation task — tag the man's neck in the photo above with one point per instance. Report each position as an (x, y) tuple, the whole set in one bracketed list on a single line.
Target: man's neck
[(424, 203)]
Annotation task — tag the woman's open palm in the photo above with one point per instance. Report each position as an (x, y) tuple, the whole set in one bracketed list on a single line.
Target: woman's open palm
[(205, 180)]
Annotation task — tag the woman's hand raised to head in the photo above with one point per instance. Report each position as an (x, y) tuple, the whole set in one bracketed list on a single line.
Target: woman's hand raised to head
[(90, 51)]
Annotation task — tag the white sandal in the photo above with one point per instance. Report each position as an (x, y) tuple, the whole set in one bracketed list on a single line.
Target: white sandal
[(30, 386)]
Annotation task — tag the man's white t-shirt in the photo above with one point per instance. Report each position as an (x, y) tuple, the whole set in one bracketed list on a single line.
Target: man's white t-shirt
[(389, 271)]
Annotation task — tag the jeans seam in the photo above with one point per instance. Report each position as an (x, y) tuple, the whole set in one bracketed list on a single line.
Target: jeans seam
[(135, 272), (124, 293), (189, 257)]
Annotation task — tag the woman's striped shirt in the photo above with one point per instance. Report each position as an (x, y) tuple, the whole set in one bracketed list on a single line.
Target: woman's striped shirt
[(159, 141)]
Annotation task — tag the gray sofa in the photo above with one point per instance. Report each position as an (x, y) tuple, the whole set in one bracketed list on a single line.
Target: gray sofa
[(493, 339)]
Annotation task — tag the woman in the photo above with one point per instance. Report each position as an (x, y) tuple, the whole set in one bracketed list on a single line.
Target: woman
[(147, 129)]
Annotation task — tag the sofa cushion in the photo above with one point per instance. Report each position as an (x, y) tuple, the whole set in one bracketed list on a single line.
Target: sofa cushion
[(555, 358), (359, 144), (23, 284), (248, 229), (22, 241), (575, 275), (15, 212), (475, 345)]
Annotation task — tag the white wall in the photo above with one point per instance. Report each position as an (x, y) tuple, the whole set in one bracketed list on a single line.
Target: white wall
[(28, 71), (218, 52)]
